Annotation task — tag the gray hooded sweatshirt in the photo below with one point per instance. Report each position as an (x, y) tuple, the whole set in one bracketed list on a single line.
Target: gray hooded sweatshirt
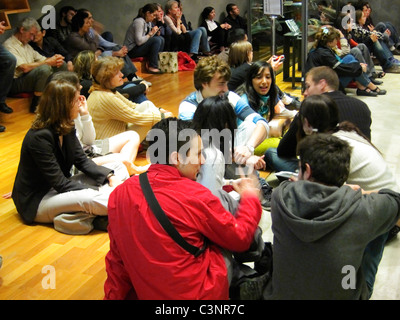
[(320, 234)]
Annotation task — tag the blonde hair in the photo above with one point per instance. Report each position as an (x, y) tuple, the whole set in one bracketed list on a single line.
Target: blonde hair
[(239, 53), (104, 69), (83, 64)]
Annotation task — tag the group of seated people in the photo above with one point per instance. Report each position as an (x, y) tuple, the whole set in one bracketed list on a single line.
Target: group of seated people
[(77, 168), (44, 51), (348, 46)]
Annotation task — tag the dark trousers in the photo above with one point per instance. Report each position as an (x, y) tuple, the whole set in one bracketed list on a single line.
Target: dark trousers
[(7, 69), (149, 49)]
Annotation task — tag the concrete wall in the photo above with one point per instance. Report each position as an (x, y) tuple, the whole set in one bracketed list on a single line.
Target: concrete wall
[(117, 15)]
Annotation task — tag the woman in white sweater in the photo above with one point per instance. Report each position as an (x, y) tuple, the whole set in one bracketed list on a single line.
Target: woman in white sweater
[(368, 168)]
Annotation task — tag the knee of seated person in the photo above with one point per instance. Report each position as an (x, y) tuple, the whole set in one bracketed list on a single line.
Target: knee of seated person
[(44, 71), (203, 30), (10, 61), (132, 135), (270, 154)]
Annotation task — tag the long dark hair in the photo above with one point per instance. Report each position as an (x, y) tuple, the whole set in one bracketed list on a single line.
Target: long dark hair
[(206, 11), (321, 112), (216, 113), (150, 7), (253, 97), (78, 20)]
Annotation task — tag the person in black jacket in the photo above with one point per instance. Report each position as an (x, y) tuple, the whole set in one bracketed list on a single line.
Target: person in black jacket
[(44, 191), (217, 33), (323, 80), (234, 19), (347, 68), (319, 80)]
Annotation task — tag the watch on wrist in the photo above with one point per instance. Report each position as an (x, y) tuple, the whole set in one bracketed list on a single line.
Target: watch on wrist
[(111, 174), (251, 148)]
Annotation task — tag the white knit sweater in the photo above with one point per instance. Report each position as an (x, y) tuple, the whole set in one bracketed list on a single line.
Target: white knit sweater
[(368, 168)]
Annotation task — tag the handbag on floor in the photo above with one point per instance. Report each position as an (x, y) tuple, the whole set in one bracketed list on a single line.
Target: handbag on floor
[(168, 62)]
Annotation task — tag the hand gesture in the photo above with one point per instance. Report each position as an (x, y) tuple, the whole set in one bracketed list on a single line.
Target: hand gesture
[(121, 53), (256, 162), (247, 184), (83, 108), (364, 67), (2, 27), (276, 62), (113, 181), (241, 154)]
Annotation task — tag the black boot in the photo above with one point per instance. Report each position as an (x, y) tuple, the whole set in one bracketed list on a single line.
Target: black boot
[(5, 108), (34, 103)]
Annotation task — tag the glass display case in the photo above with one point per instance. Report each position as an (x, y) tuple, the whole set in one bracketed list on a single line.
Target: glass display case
[(298, 18), (260, 28)]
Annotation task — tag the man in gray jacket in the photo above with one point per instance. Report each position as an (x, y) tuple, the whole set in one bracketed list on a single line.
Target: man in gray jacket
[(322, 226)]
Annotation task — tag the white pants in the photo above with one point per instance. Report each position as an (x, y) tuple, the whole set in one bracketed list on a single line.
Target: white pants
[(73, 212)]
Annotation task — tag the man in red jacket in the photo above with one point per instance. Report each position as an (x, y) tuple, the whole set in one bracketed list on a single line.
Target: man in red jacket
[(144, 262)]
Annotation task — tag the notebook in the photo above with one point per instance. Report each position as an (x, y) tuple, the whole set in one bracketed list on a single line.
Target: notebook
[(293, 27)]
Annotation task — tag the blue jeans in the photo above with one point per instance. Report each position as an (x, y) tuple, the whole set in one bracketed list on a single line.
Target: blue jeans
[(150, 49), (137, 99), (394, 35), (199, 40), (383, 54), (277, 163), (362, 79), (371, 259), (7, 68)]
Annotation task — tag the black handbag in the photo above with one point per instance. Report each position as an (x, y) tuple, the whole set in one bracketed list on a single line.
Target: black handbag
[(163, 219)]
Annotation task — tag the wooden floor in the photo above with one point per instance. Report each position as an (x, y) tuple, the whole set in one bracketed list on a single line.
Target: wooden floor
[(76, 263)]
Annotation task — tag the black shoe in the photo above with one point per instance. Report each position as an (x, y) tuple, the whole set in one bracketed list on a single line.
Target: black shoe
[(34, 103), (266, 191), (100, 223), (376, 82), (379, 91), (5, 108), (366, 92), (2, 128), (396, 52)]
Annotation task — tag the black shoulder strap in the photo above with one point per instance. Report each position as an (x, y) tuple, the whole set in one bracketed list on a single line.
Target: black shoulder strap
[(163, 219)]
